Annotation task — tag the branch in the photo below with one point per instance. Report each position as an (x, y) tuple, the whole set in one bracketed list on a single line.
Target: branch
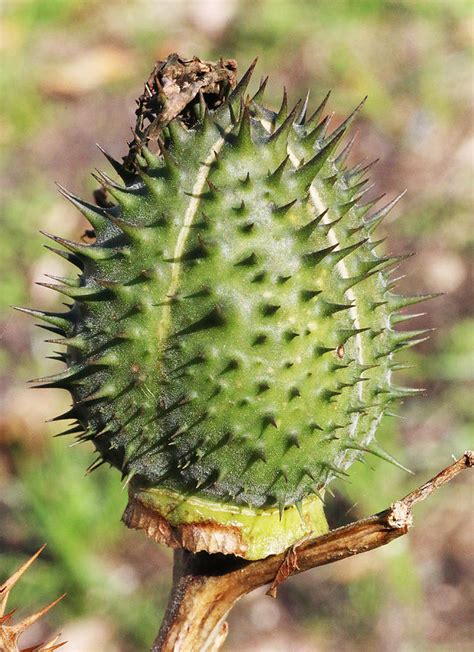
[(206, 587)]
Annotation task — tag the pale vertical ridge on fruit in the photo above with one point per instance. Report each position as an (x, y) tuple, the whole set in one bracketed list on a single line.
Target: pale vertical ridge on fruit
[(320, 207), (189, 216)]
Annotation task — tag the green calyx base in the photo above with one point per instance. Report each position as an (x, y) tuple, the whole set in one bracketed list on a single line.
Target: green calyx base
[(261, 532)]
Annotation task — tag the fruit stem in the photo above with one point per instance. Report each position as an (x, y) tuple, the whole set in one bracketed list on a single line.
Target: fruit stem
[(206, 587)]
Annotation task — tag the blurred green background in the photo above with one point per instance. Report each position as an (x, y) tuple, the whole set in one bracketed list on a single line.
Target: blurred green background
[(71, 70)]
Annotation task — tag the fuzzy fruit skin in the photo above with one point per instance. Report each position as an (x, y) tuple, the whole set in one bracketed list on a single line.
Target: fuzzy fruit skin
[(231, 335)]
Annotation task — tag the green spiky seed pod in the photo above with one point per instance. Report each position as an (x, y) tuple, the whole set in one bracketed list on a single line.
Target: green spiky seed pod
[(230, 340)]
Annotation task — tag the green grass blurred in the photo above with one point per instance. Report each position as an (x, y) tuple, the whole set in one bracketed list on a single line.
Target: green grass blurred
[(71, 71)]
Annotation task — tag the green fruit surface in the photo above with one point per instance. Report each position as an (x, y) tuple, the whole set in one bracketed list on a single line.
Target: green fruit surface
[(231, 335)]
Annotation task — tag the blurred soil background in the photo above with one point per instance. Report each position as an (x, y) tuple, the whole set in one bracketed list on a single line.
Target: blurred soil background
[(70, 72)]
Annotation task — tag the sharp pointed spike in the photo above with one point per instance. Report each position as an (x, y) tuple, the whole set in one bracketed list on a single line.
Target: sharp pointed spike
[(359, 170), (94, 466), (7, 586), (64, 280), (133, 231), (126, 175), (258, 97), (123, 195), (300, 120), (336, 470), (61, 321), (403, 392), (48, 646), (396, 302), (378, 451), (59, 357), (94, 214), (214, 319), (315, 117), (318, 493), (152, 161), (285, 128), (342, 157), (315, 257), (344, 334), (402, 337), (399, 318), (365, 208), (389, 261), (307, 172), (107, 182), (275, 177), (71, 415), (61, 379), (280, 211), (92, 251), (318, 132), (78, 293), (77, 342), (232, 116), (336, 256), (358, 190), (239, 90), (374, 220), (283, 110), (67, 255), (347, 122), (77, 248), (70, 431), (307, 230), (281, 509), (327, 308), (244, 136), (178, 134)]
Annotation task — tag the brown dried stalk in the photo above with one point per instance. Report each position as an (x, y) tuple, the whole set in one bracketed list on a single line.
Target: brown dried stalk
[(11, 632), (206, 587)]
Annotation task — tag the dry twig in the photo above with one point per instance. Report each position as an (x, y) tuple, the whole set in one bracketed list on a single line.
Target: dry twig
[(206, 587), (11, 632)]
